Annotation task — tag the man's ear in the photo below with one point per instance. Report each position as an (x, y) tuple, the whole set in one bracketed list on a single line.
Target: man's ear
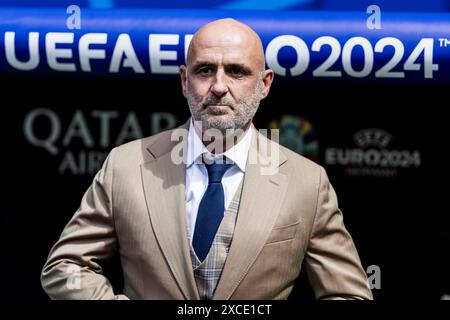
[(267, 81), (183, 71)]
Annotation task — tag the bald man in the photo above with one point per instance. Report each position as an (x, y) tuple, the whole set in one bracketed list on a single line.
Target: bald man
[(193, 212)]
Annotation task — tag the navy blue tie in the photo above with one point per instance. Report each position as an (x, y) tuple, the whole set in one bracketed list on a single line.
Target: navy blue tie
[(210, 210)]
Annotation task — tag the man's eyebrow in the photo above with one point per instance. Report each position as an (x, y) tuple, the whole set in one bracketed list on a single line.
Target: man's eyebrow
[(239, 66), (200, 64)]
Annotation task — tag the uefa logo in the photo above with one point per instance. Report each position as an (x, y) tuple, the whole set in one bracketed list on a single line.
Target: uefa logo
[(372, 155), (297, 134)]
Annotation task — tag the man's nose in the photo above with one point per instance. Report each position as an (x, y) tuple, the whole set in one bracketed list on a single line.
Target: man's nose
[(219, 87)]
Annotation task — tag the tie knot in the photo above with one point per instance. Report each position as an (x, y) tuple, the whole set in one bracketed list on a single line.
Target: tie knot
[(216, 171)]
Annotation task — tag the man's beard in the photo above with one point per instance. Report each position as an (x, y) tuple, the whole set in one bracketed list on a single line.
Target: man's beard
[(217, 118)]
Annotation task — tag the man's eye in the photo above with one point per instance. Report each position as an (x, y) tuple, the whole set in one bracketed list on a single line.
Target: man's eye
[(204, 71), (237, 72)]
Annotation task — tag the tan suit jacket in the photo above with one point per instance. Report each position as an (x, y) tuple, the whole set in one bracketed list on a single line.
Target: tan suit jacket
[(136, 205)]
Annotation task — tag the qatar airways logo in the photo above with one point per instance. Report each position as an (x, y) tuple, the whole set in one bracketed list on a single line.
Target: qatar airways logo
[(82, 143), (372, 155)]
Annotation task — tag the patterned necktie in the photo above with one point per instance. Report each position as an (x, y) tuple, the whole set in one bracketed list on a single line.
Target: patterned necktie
[(210, 210)]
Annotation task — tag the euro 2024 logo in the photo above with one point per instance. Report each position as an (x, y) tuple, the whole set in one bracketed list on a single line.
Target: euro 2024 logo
[(297, 134)]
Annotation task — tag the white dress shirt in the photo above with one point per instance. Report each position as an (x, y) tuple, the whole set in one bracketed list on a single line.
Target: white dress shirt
[(197, 175)]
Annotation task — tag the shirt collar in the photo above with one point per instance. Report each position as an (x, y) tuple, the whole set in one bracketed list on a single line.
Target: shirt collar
[(238, 153)]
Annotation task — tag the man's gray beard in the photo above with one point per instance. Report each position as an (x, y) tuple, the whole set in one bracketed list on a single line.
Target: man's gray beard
[(247, 110)]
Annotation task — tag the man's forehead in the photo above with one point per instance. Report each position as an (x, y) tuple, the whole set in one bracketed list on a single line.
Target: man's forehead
[(223, 49), (220, 53), (226, 45), (226, 38)]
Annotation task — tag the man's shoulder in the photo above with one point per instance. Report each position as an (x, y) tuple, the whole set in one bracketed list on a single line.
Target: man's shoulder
[(302, 167), (140, 150), (293, 158), (145, 141), (298, 158)]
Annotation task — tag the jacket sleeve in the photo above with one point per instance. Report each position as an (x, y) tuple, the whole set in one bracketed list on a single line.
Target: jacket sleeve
[(332, 262), (72, 270)]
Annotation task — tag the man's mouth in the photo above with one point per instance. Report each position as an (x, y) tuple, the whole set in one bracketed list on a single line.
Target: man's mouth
[(218, 105), (218, 109)]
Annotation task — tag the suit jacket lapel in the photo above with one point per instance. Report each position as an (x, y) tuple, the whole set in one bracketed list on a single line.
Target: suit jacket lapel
[(258, 211), (164, 187)]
